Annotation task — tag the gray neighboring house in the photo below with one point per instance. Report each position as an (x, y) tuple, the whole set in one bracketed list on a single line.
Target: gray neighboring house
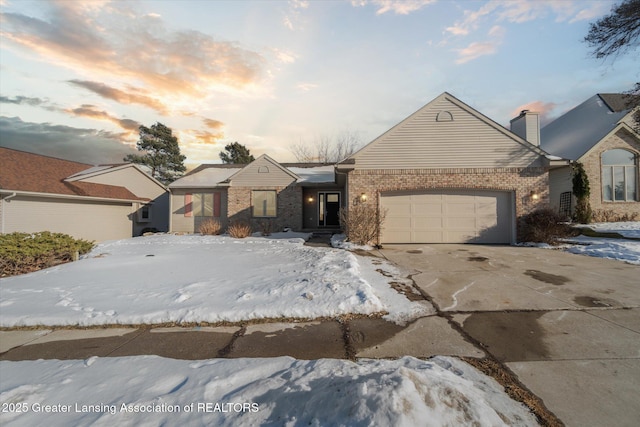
[(264, 193), (105, 202), (445, 174), (599, 134)]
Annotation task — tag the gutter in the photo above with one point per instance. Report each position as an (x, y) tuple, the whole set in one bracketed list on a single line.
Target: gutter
[(10, 196), (69, 196)]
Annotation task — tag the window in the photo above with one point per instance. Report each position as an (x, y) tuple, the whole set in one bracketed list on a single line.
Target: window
[(264, 203), (202, 204), (144, 213), (619, 176)]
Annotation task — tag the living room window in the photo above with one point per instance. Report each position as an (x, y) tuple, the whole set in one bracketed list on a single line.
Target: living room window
[(264, 203), (619, 176), (202, 204)]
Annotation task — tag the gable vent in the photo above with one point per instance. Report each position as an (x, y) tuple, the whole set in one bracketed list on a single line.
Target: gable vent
[(444, 116)]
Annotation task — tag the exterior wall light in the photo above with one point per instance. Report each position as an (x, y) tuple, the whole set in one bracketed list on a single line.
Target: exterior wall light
[(363, 197), (310, 199), (534, 196)]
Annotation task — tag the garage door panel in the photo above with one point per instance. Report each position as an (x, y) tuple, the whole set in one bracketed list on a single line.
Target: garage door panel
[(456, 216)]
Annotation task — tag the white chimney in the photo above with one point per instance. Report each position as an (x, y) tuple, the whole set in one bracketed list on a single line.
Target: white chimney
[(527, 126)]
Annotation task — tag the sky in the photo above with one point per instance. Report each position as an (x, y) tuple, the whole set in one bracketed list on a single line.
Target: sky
[(78, 78)]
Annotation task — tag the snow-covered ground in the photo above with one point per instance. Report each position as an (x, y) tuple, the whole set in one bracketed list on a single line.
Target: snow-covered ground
[(167, 278), (619, 249), (154, 391)]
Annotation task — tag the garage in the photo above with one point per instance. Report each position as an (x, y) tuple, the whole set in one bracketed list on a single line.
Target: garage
[(448, 216)]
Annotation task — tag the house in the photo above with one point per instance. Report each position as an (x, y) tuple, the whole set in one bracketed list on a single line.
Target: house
[(449, 174), (445, 174), (40, 193), (269, 195), (599, 134)]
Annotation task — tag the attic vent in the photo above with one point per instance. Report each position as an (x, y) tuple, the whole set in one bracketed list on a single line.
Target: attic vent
[(263, 169), (444, 116)]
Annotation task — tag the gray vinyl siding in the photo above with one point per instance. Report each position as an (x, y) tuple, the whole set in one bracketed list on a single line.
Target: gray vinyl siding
[(90, 220), (262, 173), (559, 182), (466, 141)]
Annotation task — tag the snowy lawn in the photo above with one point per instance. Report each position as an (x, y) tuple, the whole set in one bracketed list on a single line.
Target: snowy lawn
[(619, 249), (165, 278), (153, 391)]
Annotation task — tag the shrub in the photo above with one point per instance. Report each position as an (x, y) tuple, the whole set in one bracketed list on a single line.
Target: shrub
[(545, 226), (239, 229), (607, 215), (22, 253), (362, 223), (581, 190), (209, 227)]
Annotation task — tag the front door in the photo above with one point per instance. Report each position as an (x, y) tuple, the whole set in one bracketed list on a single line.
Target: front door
[(329, 206)]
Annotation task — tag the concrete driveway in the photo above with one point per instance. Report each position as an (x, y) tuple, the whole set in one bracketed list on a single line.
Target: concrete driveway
[(567, 325)]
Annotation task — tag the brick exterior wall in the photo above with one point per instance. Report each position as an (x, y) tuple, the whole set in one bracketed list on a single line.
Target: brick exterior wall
[(521, 181), (592, 163), (289, 207)]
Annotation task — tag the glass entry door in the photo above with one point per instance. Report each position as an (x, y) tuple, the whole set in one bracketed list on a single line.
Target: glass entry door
[(329, 206)]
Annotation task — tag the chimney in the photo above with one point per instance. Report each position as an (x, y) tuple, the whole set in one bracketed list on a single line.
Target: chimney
[(527, 126)]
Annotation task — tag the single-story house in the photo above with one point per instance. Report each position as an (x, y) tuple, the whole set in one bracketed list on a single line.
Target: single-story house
[(264, 193), (40, 193), (445, 174), (599, 134)]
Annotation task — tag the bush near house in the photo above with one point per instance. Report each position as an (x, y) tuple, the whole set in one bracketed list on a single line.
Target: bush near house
[(22, 253), (239, 230), (210, 227), (607, 215), (545, 226), (362, 223)]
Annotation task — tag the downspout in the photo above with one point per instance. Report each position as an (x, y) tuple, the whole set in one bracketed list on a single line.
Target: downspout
[(10, 196)]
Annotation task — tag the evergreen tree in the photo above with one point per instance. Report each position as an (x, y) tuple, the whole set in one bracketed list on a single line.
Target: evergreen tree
[(161, 153), (236, 153)]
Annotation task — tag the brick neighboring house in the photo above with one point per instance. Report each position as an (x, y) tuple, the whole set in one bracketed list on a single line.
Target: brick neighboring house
[(599, 134), (264, 193), (445, 174), (40, 193)]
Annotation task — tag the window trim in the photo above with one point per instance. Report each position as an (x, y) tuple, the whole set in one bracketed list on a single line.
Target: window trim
[(190, 204), (265, 208), (139, 212), (608, 174)]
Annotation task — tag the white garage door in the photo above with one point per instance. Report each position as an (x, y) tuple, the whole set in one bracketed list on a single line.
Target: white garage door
[(448, 216)]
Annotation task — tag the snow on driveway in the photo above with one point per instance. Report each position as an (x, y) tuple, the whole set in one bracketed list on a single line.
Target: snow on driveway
[(154, 391), (167, 278)]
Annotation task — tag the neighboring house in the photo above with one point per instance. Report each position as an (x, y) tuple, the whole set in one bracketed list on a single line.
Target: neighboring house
[(264, 193), (446, 174), (599, 134), (39, 193)]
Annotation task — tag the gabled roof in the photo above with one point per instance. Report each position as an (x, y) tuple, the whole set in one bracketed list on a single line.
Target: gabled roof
[(264, 159), (103, 169), (446, 133), (214, 175), (210, 175), (574, 133), (27, 172)]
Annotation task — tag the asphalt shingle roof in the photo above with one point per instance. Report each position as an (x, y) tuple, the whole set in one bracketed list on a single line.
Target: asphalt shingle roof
[(22, 171)]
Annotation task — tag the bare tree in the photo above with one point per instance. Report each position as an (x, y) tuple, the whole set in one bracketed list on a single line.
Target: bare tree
[(327, 149)]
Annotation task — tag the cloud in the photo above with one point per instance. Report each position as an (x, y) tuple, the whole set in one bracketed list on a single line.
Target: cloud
[(293, 18), (81, 145), (477, 49), (520, 11), (544, 108), (22, 100), (213, 124), (399, 7), (121, 44), (91, 111), (133, 96), (306, 87)]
